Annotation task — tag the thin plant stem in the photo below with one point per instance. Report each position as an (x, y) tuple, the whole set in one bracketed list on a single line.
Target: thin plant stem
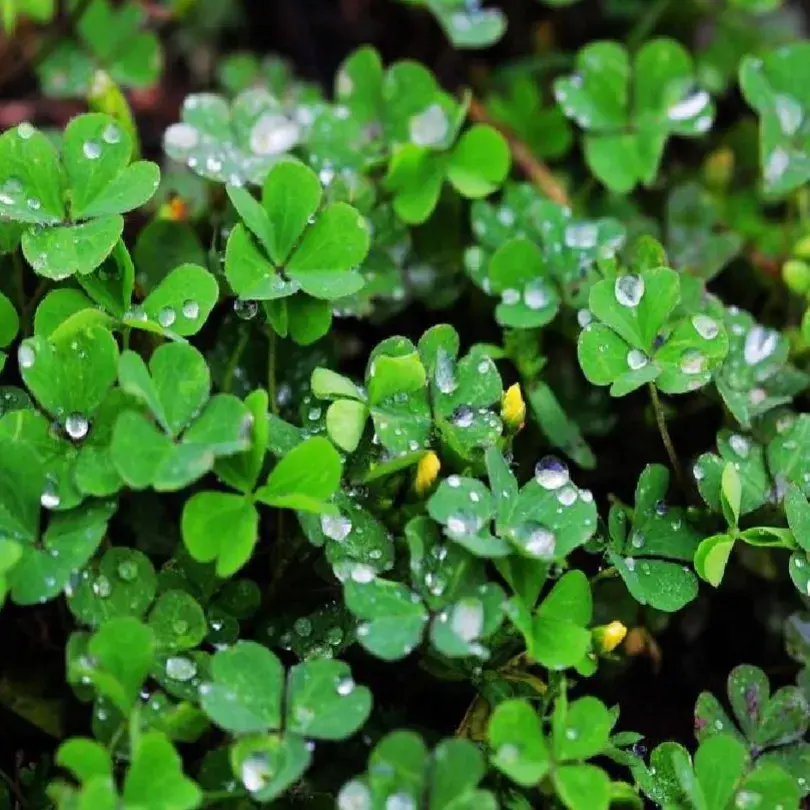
[(233, 362), (661, 419), (646, 24), (271, 372)]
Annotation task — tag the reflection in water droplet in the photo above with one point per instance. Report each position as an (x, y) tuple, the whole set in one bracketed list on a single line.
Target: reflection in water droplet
[(179, 668), (91, 150), (629, 290), (429, 127), (551, 473), (76, 426)]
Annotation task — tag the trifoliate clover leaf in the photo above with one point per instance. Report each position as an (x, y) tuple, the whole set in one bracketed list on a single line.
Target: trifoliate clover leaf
[(756, 375), (403, 773), (569, 248), (579, 731), (522, 108), (190, 430), (721, 776), (287, 245), (771, 726), (393, 617), (630, 109), (775, 87), (116, 661), (109, 37), (475, 166), (650, 559), (234, 143), (748, 458), (694, 242), (123, 583), (71, 204), (635, 340)]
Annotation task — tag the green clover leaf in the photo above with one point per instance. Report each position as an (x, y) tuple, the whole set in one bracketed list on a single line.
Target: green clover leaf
[(109, 37), (73, 205), (234, 143), (629, 110), (774, 86)]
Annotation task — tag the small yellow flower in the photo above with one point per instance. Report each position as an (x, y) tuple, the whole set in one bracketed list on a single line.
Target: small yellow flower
[(427, 470), (609, 636), (175, 210), (513, 408)]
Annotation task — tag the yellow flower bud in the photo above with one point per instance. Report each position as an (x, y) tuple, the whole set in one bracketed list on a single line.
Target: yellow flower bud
[(427, 470), (609, 636), (513, 408)]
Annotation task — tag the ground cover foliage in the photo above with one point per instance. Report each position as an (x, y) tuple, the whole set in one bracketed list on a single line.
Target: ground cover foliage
[(421, 426)]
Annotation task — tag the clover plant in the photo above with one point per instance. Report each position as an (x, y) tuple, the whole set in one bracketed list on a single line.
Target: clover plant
[(404, 406)]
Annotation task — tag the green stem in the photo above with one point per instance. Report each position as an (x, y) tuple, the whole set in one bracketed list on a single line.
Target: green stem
[(271, 372), (661, 419), (13, 788), (646, 24), (605, 573), (233, 362)]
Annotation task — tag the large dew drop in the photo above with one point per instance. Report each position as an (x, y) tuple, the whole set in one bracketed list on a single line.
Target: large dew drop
[(535, 296), (467, 619), (336, 527), (25, 356), (690, 107), (445, 376), (429, 127), (274, 134), (705, 326), (789, 112), (181, 669), (92, 150), (551, 473), (760, 344), (182, 137), (538, 541), (76, 426), (629, 290), (692, 362), (255, 772), (581, 235), (354, 795), (636, 359)]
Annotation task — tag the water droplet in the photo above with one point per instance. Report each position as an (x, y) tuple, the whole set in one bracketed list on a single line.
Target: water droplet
[(705, 326), (739, 444), (582, 235), (629, 290), (567, 496), (101, 586), (76, 426), (303, 627), (467, 619), (34, 204), (111, 134), (537, 541), (128, 570), (213, 164), (690, 107), (760, 343), (245, 310), (463, 416), (334, 636), (91, 150), (551, 473), (462, 525), (362, 573), (25, 130), (444, 374), (354, 795), (50, 498), (775, 165), (510, 297), (630, 563), (430, 127), (747, 800), (454, 481), (661, 508), (692, 362), (535, 296), (255, 772), (638, 540), (166, 317), (400, 801), (274, 134), (336, 527), (181, 136), (636, 359), (180, 627), (191, 309), (179, 668), (25, 355), (584, 317), (345, 685)]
